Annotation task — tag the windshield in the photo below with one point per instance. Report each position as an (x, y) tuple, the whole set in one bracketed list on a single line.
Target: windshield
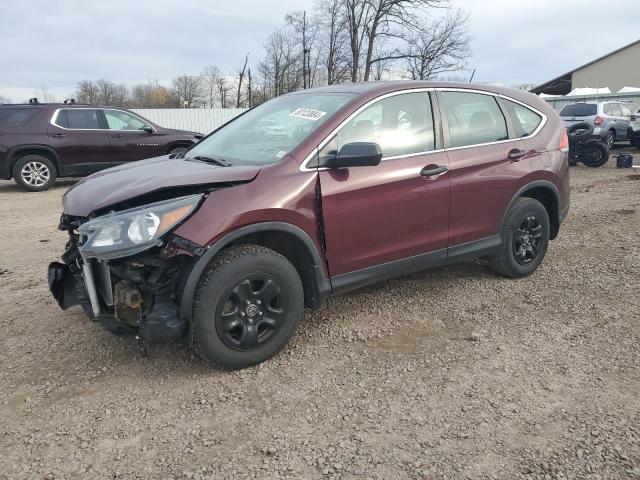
[(267, 133), (579, 110)]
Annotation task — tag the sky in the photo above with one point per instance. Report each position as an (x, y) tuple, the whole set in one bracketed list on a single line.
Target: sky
[(50, 45)]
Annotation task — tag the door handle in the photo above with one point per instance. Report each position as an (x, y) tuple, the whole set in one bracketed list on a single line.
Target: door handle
[(431, 170), (516, 154), (116, 135), (58, 135)]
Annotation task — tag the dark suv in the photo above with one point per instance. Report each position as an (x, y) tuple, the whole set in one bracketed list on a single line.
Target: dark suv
[(223, 246), (39, 142)]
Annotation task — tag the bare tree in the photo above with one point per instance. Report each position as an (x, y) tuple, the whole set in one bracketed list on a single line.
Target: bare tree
[(357, 13), (240, 79), (87, 92), (278, 68), (186, 91), (333, 40), (4, 99), (305, 33), (149, 95), (438, 47), (210, 77), (111, 93), (386, 17)]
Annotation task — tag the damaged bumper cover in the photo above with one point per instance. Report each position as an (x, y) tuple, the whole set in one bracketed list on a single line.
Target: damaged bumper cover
[(137, 295)]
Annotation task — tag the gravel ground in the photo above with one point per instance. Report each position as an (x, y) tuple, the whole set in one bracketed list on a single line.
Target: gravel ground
[(453, 373)]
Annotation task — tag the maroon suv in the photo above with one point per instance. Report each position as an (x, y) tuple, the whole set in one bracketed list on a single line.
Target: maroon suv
[(39, 142), (224, 246)]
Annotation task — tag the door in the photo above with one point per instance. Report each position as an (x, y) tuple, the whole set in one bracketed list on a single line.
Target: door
[(627, 113), (81, 141), (131, 138), (490, 147), (379, 214)]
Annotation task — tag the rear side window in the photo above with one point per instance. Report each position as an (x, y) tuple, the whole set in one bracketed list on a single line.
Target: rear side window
[(16, 117), (626, 111), (524, 120), (579, 110), (473, 119), (401, 125), (612, 109), (79, 119)]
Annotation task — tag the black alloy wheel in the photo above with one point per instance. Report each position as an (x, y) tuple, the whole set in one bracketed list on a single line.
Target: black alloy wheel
[(251, 313), (526, 240), (247, 306)]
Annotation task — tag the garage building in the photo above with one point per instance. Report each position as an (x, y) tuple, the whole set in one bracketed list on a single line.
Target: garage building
[(618, 69)]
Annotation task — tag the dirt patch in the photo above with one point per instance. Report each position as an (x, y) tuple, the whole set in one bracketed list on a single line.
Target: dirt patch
[(452, 373)]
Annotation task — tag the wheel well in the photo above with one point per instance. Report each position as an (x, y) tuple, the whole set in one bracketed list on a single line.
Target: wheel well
[(15, 156), (294, 250), (548, 198), (184, 144)]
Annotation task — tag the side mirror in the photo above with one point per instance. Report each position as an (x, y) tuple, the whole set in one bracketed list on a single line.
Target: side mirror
[(147, 129), (357, 154)]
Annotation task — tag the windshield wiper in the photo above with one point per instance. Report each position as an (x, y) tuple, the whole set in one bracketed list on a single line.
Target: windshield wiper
[(217, 161)]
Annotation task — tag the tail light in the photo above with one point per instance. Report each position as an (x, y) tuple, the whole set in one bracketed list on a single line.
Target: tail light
[(598, 121), (564, 141)]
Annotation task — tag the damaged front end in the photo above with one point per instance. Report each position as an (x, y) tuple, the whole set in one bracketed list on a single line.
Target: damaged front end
[(127, 271)]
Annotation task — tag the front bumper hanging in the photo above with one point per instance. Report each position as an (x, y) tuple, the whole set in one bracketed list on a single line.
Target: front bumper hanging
[(127, 297)]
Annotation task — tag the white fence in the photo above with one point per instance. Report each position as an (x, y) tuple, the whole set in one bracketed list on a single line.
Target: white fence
[(202, 120)]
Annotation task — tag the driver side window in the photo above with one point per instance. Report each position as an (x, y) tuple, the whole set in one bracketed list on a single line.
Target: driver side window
[(119, 120), (400, 125)]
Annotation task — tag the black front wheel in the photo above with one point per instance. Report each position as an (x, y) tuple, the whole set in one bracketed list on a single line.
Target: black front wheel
[(247, 307), (524, 239)]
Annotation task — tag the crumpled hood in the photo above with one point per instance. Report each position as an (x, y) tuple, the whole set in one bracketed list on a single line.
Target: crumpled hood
[(117, 184)]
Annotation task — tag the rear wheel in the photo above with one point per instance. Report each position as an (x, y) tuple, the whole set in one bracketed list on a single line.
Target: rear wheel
[(525, 238), (247, 307), (34, 173), (609, 139)]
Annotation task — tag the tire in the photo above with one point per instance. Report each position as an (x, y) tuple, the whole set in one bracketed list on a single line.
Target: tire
[(34, 173), (594, 154), (517, 224), (247, 306), (609, 139)]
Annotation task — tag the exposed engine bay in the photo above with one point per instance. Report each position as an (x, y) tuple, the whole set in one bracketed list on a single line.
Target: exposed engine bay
[(136, 295)]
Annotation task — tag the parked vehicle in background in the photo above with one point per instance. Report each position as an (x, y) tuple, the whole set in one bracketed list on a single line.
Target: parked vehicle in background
[(610, 120), (634, 127), (40, 142), (223, 247)]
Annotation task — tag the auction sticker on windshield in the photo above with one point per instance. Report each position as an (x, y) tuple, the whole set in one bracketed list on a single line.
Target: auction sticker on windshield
[(308, 113)]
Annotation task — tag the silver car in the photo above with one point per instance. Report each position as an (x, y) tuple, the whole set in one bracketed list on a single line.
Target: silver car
[(611, 119)]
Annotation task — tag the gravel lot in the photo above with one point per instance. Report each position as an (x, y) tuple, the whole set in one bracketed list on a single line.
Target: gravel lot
[(452, 373)]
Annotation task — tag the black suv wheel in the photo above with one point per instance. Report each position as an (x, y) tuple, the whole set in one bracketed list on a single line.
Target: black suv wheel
[(34, 173), (247, 306), (525, 238)]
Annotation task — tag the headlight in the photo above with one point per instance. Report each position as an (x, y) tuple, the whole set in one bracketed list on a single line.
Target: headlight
[(131, 231)]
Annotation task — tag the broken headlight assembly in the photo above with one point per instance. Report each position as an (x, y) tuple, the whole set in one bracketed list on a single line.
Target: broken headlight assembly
[(122, 234)]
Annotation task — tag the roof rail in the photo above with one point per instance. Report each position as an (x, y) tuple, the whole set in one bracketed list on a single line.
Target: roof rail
[(33, 101)]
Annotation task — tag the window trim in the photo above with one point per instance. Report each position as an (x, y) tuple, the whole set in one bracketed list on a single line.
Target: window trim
[(146, 122), (496, 96), (439, 117), (54, 118)]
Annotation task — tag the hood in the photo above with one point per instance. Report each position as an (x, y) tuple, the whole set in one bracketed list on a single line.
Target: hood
[(126, 182)]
